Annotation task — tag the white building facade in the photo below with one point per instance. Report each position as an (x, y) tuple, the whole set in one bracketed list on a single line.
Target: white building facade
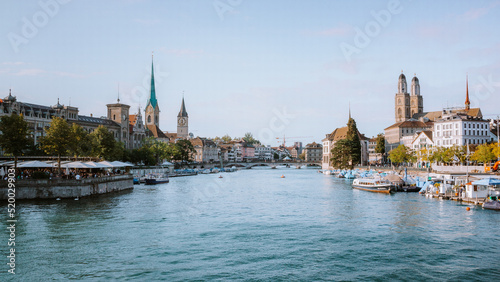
[(460, 130)]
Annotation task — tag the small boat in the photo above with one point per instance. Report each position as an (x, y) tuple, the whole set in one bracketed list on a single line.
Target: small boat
[(153, 179), (273, 167), (372, 185), (492, 204), (137, 180), (282, 176), (220, 176)]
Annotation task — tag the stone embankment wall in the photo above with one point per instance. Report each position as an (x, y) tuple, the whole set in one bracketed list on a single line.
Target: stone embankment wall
[(67, 188)]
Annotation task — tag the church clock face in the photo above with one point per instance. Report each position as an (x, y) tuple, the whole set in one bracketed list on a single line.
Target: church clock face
[(182, 121)]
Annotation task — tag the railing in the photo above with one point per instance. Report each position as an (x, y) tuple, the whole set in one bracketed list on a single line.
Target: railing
[(62, 181)]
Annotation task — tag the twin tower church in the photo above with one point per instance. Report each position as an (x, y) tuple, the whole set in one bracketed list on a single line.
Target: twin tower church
[(410, 106)]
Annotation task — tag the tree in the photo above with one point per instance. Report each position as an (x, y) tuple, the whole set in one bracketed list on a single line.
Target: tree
[(302, 156), (380, 147), (57, 139), (158, 149), (341, 154), (459, 152), (353, 136), (81, 145), (483, 154), (226, 138), (400, 155), (185, 150), (15, 135), (495, 149), (249, 139), (103, 143)]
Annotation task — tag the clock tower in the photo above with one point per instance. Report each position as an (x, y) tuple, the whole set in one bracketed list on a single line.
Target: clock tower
[(182, 122)]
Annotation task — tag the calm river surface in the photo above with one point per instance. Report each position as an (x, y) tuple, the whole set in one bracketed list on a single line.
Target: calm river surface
[(254, 225)]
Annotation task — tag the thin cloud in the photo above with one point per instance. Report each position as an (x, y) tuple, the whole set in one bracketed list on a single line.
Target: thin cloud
[(474, 14), (35, 72), (30, 72), (13, 63)]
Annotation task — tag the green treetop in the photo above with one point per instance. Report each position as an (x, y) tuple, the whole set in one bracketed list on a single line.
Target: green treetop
[(57, 139), (15, 135)]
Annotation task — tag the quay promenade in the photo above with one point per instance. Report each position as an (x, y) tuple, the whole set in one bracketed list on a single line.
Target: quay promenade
[(66, 188)]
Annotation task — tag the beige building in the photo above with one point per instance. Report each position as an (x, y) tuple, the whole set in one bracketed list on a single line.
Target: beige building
[(340, 134), (206, 151), (39, 118), (313, 152), (395, 133)]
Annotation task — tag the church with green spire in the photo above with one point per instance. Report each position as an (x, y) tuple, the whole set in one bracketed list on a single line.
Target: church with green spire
[(152, 117), (153, 112)]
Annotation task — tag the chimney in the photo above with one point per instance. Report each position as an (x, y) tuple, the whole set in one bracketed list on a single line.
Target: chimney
[(91, 115)]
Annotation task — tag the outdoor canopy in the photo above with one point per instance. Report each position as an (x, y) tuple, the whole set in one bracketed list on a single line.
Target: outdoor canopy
[(76, 165), (488, 181), (34, 164)]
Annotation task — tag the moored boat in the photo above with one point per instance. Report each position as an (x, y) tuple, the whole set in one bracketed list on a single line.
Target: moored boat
[(372, 185), (154, 179), (492, 204)]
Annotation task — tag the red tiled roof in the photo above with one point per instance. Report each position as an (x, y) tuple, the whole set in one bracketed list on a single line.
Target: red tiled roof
[(155, 131), (409, 124)]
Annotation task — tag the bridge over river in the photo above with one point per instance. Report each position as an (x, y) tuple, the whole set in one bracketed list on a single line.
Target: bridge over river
[(249, 165)]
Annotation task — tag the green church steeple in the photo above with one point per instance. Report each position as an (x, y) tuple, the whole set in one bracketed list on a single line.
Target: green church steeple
[(152, 96)]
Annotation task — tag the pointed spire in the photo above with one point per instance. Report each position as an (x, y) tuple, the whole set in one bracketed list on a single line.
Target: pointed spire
[(467, 101), (118, 100), (152, 96), (349, 110), (183, 112)]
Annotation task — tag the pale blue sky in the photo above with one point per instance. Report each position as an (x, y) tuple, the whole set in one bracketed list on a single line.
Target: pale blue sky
[(241, 64)]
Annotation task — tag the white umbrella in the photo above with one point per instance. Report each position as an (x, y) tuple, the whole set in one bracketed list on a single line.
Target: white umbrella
[(2, 172), (76, 165), (109, 164), (120, 164), (97, 165), (34, 164)]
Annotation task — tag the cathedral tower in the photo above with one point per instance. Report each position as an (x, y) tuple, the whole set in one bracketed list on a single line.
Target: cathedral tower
[(182, 122), (416, 101), (152, 109), (402, 100)]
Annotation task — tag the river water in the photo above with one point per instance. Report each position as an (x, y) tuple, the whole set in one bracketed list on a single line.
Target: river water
[(254, 225)]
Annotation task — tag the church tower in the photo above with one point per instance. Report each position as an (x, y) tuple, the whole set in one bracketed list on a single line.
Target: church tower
[(119, 113), (182, 122), (416, 101), (402, 99), (152, 109), (467, 101)]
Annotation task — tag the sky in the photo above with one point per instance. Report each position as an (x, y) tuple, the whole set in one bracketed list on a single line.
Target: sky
[(272, 68)]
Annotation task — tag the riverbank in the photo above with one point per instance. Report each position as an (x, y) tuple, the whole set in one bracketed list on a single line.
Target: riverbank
[(66, 188)]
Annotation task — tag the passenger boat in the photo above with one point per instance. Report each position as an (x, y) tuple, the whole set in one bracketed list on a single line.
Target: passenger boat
[(372, 185), (153, 179)]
